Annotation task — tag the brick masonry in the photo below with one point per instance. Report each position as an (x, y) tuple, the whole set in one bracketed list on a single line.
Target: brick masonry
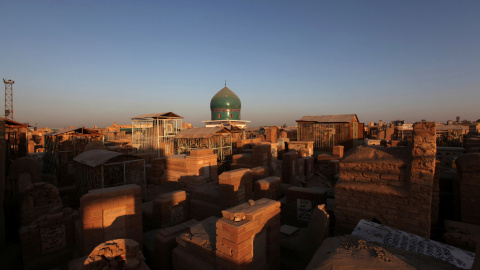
[(269, 188), (468, 175), (400, 180), (248, 236), (235, 187), (110, 213)]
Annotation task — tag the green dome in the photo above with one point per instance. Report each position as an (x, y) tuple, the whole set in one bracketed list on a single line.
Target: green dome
[(225, 105)]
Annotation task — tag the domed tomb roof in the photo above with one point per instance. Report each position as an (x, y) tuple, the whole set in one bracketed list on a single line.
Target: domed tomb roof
[(225, 99)]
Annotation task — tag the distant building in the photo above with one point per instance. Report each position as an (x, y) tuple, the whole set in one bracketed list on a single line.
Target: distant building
[(225, 107), (329, 130)]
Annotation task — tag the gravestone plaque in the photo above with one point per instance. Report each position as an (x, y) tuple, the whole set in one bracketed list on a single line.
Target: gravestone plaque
[(391, 237), (52, 238), (114, 223), (176, 214), (304, 209)]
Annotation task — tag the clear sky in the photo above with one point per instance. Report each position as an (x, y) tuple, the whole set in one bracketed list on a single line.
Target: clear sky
[(93, 62)]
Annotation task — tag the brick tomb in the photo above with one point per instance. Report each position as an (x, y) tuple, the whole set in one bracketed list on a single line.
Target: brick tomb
[(468, 175), (190, 171), (390, 185), (47, 233), (166, 210), (107, 214)]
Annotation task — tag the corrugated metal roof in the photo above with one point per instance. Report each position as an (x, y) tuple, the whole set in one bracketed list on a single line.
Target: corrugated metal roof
[(81, 130), (165, 115), (341, 118), (94, 158), (14, 123), (206, 132)]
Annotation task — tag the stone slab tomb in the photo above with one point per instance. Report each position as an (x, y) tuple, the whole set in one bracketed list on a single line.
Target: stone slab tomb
[(300, 203), (109, 213)]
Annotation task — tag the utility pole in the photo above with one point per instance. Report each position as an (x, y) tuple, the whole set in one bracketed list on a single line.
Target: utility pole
[(8, 99)]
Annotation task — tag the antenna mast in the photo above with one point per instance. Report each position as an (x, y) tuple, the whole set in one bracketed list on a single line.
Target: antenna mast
[(8, 99)]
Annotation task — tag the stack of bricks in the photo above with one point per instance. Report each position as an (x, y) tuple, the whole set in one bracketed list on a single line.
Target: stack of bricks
[(398, 179), (196, 248), (300, 204), (262, 155), (269, 188), (205, 202), (166, 210), (468, 175), (289, 167), (157, 169), (248, 236), (47, 234), (235, 187), (165, 242), (109, 213), (244, 160), (196, 169)]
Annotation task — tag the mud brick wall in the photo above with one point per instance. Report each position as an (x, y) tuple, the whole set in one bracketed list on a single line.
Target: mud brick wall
[(235, 187), (468, 175), (436, 194), (248, 236), (244, 160), (196, 169), (262, 155), (300, 204), (205, 202), (269, 188), (110, 213), (289, 167), (165, 242), (48, 241), (391, 185), (172, 208)]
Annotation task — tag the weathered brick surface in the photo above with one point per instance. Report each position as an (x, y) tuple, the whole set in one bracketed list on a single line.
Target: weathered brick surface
[(124, 252), (302, 146), (262, 155), (269, 188), (110, 213), (260, 172), (468, 175), (289, 167), (244, 160), (197, 169), (166, 210), (248, 236), (39, 199), (391, 185), (205, 202), (235, 187)]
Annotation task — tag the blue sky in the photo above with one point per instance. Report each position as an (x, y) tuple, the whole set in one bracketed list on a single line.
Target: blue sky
[(94, 62)]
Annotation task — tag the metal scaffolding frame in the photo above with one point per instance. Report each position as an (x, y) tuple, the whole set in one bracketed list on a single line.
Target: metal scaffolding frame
[(153, 134)]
